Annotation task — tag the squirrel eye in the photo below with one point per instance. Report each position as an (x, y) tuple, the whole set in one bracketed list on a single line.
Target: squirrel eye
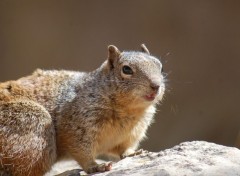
[(127, 70)]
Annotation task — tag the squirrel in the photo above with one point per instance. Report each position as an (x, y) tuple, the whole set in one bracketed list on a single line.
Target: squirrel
[(56, 114)]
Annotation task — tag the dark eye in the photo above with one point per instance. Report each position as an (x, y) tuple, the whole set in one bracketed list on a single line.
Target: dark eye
[(127, 70)]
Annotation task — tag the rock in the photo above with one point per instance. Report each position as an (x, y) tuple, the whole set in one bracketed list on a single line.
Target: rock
[(196, 158)]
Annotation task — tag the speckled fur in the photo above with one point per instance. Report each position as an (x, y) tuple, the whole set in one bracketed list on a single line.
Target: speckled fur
[(53, 114)]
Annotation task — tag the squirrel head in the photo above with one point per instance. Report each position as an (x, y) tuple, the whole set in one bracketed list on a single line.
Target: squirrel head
[(137, 74)]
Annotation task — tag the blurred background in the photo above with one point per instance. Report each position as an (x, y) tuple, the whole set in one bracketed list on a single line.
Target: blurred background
[(197, 41)]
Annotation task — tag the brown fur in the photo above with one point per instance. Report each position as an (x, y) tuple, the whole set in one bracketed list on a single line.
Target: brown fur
[(54, 114)]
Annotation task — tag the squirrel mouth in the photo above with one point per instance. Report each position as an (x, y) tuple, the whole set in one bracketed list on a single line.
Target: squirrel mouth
[(150, 97)]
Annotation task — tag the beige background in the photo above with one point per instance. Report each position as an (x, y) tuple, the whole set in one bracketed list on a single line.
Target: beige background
[(198, 42)]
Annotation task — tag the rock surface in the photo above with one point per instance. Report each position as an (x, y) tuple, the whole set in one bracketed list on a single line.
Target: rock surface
[(197, 158)]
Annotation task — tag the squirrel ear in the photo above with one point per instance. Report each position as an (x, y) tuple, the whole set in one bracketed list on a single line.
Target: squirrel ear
[(113, 54), (144, 49)]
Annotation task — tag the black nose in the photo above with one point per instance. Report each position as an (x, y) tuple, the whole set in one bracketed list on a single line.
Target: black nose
[(154, 86)]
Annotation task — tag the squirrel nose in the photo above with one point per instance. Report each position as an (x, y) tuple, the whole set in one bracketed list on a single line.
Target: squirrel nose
[(154, 86)]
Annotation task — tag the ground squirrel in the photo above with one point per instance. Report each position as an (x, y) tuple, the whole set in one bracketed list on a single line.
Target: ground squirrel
[(55, 114)]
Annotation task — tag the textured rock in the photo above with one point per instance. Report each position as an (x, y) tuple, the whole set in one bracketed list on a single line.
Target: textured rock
[(196, 158)]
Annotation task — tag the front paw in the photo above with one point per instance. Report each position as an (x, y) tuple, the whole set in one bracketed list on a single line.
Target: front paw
[(99, 168), (132, 153)]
